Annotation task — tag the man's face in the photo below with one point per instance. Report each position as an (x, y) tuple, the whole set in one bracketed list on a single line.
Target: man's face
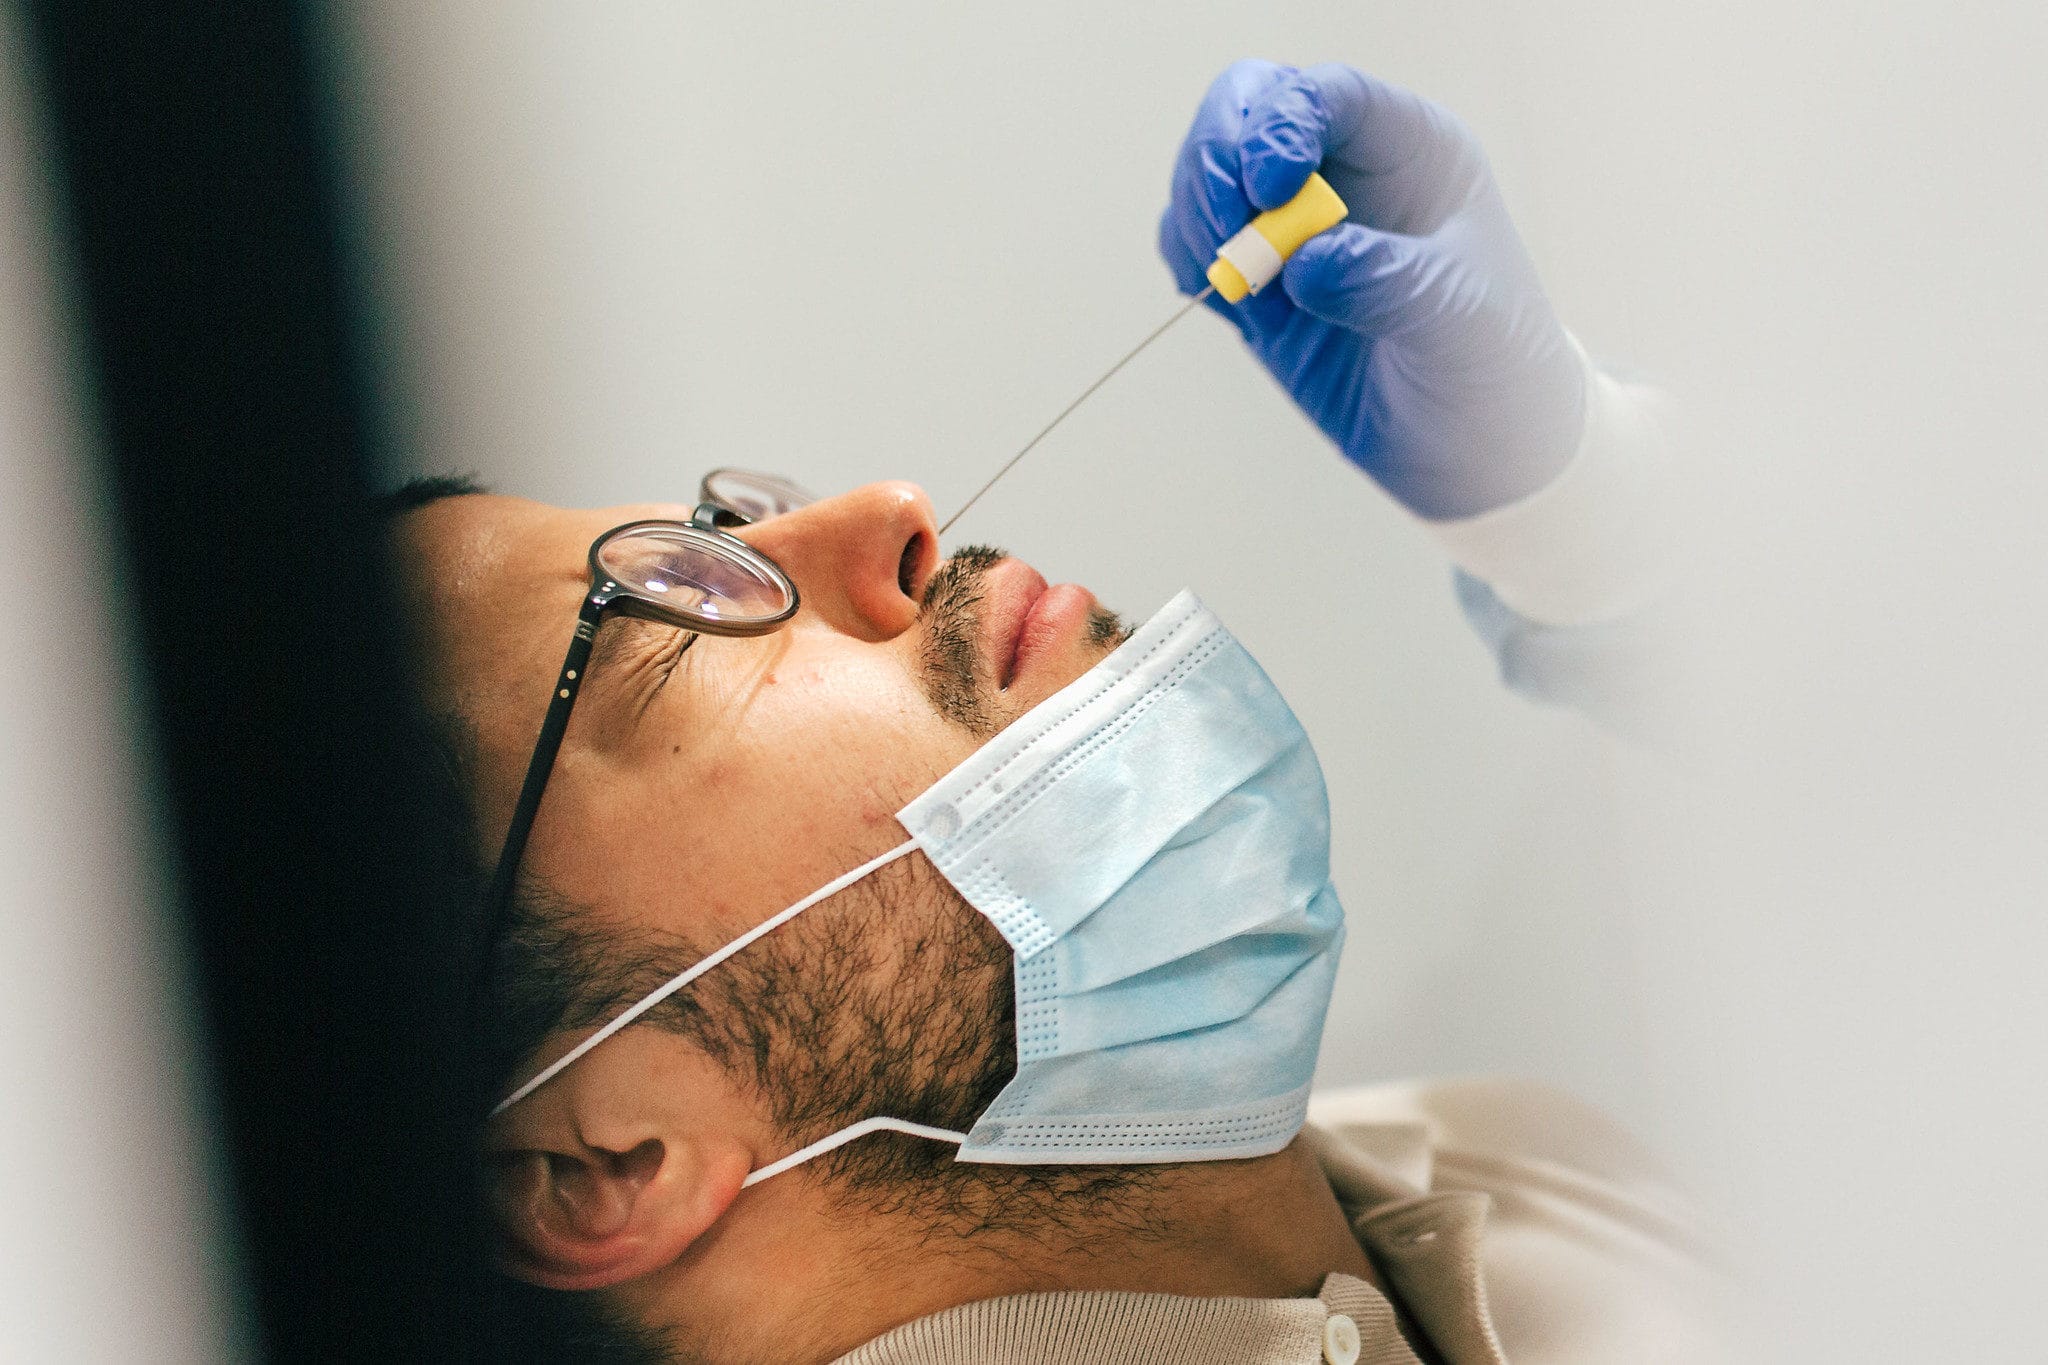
[(699, 791)]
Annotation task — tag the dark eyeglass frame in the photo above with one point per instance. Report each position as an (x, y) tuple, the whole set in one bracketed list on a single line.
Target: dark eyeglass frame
[(727, 498)]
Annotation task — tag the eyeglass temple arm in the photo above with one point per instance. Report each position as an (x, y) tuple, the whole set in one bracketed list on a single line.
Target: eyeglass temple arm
[(567, 684)]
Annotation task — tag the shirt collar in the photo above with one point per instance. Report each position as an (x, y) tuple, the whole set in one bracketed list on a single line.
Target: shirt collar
[(1425, 1244)]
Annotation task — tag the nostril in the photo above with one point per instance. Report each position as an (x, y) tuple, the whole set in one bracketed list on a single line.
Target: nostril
[(906, 567)]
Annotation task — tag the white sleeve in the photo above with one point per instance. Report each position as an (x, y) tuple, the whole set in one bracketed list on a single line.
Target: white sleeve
[(1594, 543)]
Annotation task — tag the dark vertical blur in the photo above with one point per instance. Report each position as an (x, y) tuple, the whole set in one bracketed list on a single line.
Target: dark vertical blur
[(319, 893)]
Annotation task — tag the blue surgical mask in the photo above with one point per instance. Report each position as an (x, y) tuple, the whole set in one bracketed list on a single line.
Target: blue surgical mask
[(1153, 841)]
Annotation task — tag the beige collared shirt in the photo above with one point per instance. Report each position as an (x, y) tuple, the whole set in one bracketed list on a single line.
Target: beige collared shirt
[(1510, 1223)]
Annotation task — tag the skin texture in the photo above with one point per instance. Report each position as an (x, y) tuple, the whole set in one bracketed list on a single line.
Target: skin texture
[(749, 772)]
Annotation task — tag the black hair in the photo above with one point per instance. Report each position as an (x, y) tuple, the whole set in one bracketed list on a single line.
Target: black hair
[(416, 493)]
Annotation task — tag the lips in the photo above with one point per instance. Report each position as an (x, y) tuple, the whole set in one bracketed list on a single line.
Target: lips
[(1008, 593)]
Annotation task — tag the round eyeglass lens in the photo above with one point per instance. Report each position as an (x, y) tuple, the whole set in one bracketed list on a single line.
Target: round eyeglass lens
[(754, 495), (699, 576)]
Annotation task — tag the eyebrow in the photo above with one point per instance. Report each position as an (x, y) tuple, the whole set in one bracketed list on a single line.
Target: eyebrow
[(416, 493)]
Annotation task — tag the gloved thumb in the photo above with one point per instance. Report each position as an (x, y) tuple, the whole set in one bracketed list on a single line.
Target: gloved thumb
[(1375, 283)]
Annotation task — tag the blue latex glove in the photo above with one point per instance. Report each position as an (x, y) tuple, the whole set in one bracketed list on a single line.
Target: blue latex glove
[(1416, 333)]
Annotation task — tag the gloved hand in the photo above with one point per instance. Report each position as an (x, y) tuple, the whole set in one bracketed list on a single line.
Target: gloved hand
[(1415, 333)]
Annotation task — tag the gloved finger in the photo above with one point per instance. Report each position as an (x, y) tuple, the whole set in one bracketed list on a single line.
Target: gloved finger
[(1179, 257), (1190, 272), (1262, 315), (1408, 159), (1206, 202), (1220, 117), (1209, 206), (1285, 134), (1206, 196), (1375, 283), (1182, 243), (1212, 201)]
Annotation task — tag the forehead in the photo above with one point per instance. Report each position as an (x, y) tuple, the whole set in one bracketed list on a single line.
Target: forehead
[(494, 580), (476, 541)]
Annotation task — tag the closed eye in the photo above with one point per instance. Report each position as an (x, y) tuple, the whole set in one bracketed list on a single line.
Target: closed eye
[(635, 658), (671, 655)]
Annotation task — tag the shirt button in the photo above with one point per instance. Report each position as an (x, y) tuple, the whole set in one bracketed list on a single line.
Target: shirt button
[(1340, 1340)]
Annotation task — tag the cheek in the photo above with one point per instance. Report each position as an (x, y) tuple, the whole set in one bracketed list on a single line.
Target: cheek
[(823, 750), (794, 777), (853, 741)]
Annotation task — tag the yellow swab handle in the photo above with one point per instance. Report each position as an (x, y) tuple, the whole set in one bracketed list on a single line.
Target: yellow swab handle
[(1249, 261)]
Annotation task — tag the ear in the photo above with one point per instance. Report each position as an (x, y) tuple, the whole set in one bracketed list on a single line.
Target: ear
[(579, 1208)]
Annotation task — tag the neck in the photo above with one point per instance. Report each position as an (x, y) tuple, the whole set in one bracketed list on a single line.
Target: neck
[(790, 1273)]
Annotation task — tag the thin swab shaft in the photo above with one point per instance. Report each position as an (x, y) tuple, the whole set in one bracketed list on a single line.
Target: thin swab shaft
[(1046, 431)]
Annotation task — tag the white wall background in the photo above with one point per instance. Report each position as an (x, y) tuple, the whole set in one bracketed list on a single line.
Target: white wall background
[(626, 242)]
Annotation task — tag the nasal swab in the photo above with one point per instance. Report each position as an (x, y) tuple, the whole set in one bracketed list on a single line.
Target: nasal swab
[(1244, 265)]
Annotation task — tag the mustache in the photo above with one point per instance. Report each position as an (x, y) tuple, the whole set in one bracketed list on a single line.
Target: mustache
[(956, 676)]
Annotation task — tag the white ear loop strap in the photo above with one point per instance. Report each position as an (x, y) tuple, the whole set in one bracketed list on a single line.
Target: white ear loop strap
[(848, 1134), (705, 964)]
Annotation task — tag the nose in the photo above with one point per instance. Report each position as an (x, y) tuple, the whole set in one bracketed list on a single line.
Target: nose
[(860, 560)]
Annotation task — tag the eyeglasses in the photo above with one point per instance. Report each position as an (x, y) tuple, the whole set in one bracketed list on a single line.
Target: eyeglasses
[(681, 573)]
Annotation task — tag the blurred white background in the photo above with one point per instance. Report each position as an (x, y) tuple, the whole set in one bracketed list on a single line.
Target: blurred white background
[(619, 244)]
